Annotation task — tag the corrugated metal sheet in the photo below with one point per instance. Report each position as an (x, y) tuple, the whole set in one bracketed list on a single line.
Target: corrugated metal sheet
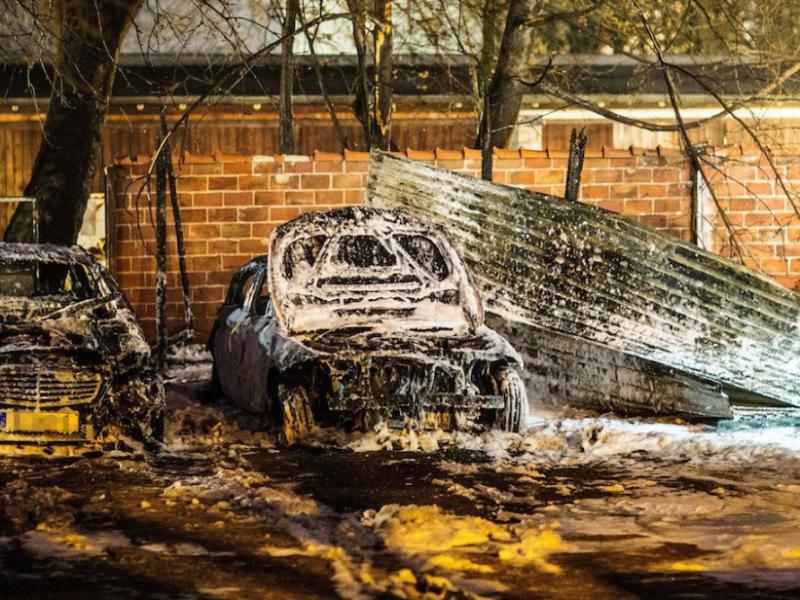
[(580, 271)]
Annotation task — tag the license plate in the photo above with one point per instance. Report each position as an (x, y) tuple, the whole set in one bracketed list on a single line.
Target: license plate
[(39, 422)]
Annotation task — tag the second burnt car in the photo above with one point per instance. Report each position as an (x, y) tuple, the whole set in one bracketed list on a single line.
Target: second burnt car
[(75, 371), (362, 315)]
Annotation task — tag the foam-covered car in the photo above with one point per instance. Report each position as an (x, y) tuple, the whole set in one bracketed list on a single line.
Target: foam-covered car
[(75, 370), (360, 315)]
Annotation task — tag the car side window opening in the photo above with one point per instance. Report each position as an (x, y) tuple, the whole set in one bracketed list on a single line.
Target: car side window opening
[(39, 279), (301, 255), (241, 283), (261, 301), (364, 251), (425, 253)]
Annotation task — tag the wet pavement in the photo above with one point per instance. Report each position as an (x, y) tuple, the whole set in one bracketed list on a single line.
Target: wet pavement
[(222, 514)]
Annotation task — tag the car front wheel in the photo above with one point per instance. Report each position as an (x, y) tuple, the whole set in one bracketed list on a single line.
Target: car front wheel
[(296, 415), (514, 414)]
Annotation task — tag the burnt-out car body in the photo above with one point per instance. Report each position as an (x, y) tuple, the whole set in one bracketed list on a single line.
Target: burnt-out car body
[(362, 315), (75, 370)]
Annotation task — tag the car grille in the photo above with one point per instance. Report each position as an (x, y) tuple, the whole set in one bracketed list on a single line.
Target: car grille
[(407, 379), (35, 385)]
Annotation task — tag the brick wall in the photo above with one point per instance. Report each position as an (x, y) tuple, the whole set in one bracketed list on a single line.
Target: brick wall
[(230, 204)]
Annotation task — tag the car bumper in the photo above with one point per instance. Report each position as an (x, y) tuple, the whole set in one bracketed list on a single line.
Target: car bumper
[(431, 402)]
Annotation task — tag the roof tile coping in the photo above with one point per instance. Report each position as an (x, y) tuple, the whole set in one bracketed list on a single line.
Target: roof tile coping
[(463, 153)]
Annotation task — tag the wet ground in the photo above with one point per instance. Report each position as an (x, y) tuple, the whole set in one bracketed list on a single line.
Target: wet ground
[(581, 507)]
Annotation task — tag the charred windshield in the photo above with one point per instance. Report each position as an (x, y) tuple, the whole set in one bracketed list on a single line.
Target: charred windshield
[(424, 251), (364, 251), (39, 279), (302, 254)]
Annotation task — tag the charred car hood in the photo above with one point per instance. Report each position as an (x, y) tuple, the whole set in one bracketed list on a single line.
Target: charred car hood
[(49, 335)]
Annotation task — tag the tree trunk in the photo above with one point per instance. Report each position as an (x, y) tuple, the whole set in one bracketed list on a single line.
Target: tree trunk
[(383, 75), (89, 35), (286, 134), (513, 62), (361, 103)]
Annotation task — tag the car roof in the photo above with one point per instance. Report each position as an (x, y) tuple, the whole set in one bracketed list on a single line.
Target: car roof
[(12, 251)]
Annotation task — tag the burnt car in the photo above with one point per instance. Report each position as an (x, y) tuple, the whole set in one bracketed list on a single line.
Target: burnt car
[(360, 315), (75, 370)]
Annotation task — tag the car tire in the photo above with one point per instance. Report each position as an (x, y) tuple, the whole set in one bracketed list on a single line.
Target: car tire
[(214, 391), (514, 414), (296, 416)]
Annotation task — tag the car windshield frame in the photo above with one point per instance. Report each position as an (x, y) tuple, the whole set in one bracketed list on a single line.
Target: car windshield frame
[(84, 286)]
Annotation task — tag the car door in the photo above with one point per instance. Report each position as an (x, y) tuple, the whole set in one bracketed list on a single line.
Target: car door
[(255, 336), (226, 343)]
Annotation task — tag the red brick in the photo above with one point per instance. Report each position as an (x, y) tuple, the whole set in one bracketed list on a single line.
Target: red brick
[(329, 197), (237, 168), (233, 261), (216, 215), (298, 166), (262, 230), (194, 215), (299, 197), (742, 204), (269, 198), (201, 231), (450, 164), (347, 181), (209, 292), (606, 175), (207, 199), (521, 178), (508, 164), (204, 169), (283, 181), (550, 176), (668, 205), (254, 214), (654, 221), (638, 206), (283, 213), (238, 199), (595, 191), (537, 163), (254, 182), (196, 247), (192, 183), (353, 197), (265, 166), (223, 183), (612, 205), (652, 190), (315, 182), (202, 264), (667, 174), (774, 203), (356, 167), (625, 190), (222, 246), (679, 189), (637, 175), (329, 166), (234, 231), (253, 247)]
